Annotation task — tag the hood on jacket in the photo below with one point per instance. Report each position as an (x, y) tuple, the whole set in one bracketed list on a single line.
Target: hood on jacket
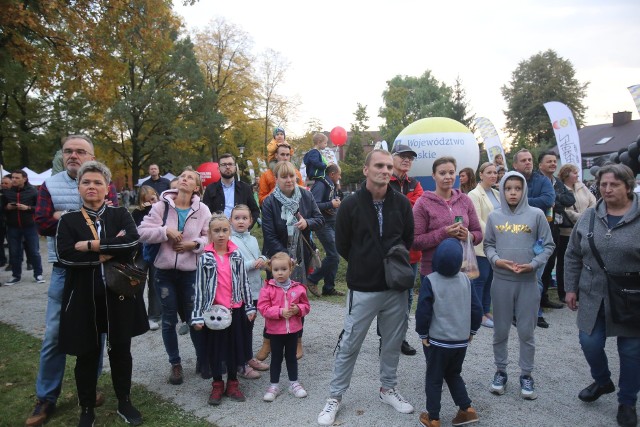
[(171, 194), (447, 258), (524, 201)]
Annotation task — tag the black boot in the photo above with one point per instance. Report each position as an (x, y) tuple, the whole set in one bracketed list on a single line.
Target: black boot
[(129, 413), (87, 417)]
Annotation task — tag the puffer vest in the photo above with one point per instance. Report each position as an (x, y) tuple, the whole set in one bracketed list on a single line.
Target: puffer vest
[(64, 196)]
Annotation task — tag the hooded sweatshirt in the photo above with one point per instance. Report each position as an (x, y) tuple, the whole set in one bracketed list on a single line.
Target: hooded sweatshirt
[(448, 309), (511, 235)]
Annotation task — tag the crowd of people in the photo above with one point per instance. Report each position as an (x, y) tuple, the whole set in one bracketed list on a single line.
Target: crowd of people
[(206, 271)]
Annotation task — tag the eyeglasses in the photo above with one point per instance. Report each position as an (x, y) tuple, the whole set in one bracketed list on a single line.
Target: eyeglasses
[(79, 152), (227, 165)]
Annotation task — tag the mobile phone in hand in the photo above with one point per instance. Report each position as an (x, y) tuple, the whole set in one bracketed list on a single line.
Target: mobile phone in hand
[(458, 218)]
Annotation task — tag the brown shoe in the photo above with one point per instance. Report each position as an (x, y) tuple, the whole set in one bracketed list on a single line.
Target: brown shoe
[(99, 398), (299, 351), (176, 376), (258, 365), (425, 421), (313, 289), (465, 417), (41, 413), (264, 351)]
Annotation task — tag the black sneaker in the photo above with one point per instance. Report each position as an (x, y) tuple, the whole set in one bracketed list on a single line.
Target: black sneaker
[(551, 304), (128, 413), (542, 323), (627, 416), (14, 281), (406, 349), (87, 417)]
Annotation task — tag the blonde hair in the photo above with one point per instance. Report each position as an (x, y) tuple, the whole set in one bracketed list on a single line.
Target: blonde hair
[(240, 207), (200, 190), (285, 169), (281, 256), (143, 192), (319, 138), (566, 170)]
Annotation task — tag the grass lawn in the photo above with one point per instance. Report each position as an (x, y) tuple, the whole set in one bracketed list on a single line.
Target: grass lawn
[(19, 360)]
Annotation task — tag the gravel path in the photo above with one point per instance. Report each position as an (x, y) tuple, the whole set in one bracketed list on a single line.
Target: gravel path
[(561, 372)]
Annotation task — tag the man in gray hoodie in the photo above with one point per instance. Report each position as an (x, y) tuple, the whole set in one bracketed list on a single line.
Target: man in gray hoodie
[(517, 242)]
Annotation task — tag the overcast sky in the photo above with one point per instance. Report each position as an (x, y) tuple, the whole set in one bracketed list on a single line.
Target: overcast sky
[(344, 52)]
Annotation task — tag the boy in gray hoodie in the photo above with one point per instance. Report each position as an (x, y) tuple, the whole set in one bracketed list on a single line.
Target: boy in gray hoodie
[(517, 242), (448, 314)]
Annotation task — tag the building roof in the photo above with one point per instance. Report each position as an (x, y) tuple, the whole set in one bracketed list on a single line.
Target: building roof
[(594, 142)]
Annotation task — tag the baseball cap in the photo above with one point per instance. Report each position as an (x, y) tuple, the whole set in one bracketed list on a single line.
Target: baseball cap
[(400, 148)]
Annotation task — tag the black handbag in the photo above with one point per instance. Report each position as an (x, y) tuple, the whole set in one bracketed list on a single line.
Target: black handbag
[(398, 273), (122, 278), (623, 287)]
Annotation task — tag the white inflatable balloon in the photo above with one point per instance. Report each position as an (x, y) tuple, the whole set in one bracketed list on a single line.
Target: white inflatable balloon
[(436, 137)]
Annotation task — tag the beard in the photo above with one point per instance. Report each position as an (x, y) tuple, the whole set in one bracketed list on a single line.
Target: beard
[(227, 175)]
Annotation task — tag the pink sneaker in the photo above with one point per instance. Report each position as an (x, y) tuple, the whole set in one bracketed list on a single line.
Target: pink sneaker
[(249, 373), (258, 365)]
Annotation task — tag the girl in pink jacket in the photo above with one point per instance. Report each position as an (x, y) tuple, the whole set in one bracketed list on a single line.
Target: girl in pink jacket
[(283, 303)]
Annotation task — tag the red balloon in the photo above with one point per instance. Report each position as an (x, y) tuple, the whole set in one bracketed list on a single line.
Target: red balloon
[(338, 136), (209, 173)]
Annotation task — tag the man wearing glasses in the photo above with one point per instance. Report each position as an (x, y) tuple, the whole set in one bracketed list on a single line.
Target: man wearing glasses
[(58, 193), (403, 157), (223, 195)]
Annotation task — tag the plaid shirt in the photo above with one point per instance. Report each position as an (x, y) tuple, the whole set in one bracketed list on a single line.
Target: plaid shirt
[(47, 224)]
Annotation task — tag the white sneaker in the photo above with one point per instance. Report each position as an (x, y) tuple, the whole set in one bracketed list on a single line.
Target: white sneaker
[(297, 390), (271, 394), (154, 326), (40, 279), (395, 399), (328, 415)]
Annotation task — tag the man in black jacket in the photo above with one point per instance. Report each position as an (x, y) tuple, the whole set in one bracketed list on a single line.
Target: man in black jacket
[(19, 203), (548, 163), (368, 223), (223, 195)]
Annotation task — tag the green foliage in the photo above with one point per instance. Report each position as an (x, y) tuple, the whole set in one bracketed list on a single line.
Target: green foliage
[(19, 354), (408, 99), (542, 78), (461, 110), (354, 156)]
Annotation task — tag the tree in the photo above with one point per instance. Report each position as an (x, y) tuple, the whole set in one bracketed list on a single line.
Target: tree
[(147, 86), (542, 78), (277, 109), (408, 99), (461, 110), (354, 156), (223, 53)]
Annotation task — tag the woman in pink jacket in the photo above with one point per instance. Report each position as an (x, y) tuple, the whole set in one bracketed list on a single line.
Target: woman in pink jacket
[(435, 212), (182, 238), (283, 303)]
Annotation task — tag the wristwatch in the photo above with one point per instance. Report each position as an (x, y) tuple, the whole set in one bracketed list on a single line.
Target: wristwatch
[(197, 245)]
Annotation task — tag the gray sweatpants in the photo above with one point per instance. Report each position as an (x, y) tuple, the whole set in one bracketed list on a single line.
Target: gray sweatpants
[(362, 308), (521, 299)]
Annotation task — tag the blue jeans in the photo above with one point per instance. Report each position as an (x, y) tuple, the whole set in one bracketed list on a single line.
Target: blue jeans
[(15, 236), (176, 292), (629, 352), (482, 284), (329, 267), (52, 361)]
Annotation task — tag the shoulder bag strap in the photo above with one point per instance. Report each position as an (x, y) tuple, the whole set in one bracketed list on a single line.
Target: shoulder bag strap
[(90, 223), (166, 212), (592, 244)]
